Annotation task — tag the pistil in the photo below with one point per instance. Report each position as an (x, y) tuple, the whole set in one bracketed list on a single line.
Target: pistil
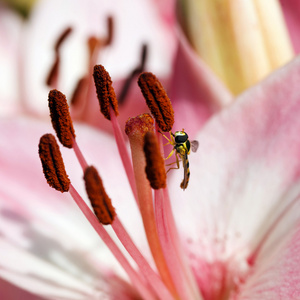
[(161, 108), (136, 128)]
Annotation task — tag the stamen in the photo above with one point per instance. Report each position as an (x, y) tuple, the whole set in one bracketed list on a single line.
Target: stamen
[(110, 30), (60, 118), (155, 166), (157, 100), (105, 92), (62, 38), (137, 280), (100, 201), (52, 77), (135, 72), (93, 42), (80, 91), (52, 162)]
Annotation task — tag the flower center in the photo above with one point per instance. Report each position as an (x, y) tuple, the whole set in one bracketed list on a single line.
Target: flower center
[(219, 279), (172, 277)]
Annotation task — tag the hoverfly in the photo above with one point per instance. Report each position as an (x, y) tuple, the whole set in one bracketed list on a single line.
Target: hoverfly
[(182, 147)]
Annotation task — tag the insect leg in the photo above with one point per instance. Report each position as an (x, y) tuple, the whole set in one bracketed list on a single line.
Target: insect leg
[(171, 153), (170, 140), (177, 163)]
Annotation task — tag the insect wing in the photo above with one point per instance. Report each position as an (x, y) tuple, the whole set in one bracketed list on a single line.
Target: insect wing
[(194, 145)]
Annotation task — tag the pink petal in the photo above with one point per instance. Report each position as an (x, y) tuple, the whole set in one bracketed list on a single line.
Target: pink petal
[(9, 291), (280, 280), (196, 93), (245, 172), (10, 33), (291, 10), (43, 228), (135, 24)]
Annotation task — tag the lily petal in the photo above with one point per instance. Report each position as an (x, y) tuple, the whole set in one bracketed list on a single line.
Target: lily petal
[(10, 32), (280, 280), (291, 11), (44, 229), (9, 291), (246, 173), (195, 91)]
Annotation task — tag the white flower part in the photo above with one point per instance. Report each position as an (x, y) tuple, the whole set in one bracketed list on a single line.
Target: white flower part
[(243, 177), (43, 228), (10, 32), (135, 23)]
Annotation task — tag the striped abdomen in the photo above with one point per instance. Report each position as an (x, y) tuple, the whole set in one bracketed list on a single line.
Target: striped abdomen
[(186, 169)]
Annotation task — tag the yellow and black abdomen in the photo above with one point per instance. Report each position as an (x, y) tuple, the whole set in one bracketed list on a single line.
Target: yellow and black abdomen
[(186, 168)]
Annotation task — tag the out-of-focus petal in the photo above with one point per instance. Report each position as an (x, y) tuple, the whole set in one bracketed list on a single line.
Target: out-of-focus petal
[(135, 23), (10, 32), (44, 228), (35, 275), (10, 291), (196, 93), (246, 171), (291, 11)]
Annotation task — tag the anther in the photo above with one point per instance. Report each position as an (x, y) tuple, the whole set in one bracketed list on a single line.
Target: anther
[(155, 166), (62, 38), (60, 118), (101, 203), (157, 100), (53, 73), (52, 162), (110, 30), (105, 92)]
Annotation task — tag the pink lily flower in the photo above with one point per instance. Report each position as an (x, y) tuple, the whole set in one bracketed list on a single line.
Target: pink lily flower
[(241, 241), (238, 218)]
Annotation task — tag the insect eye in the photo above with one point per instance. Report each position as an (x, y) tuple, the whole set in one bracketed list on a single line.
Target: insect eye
[(181, 138)]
